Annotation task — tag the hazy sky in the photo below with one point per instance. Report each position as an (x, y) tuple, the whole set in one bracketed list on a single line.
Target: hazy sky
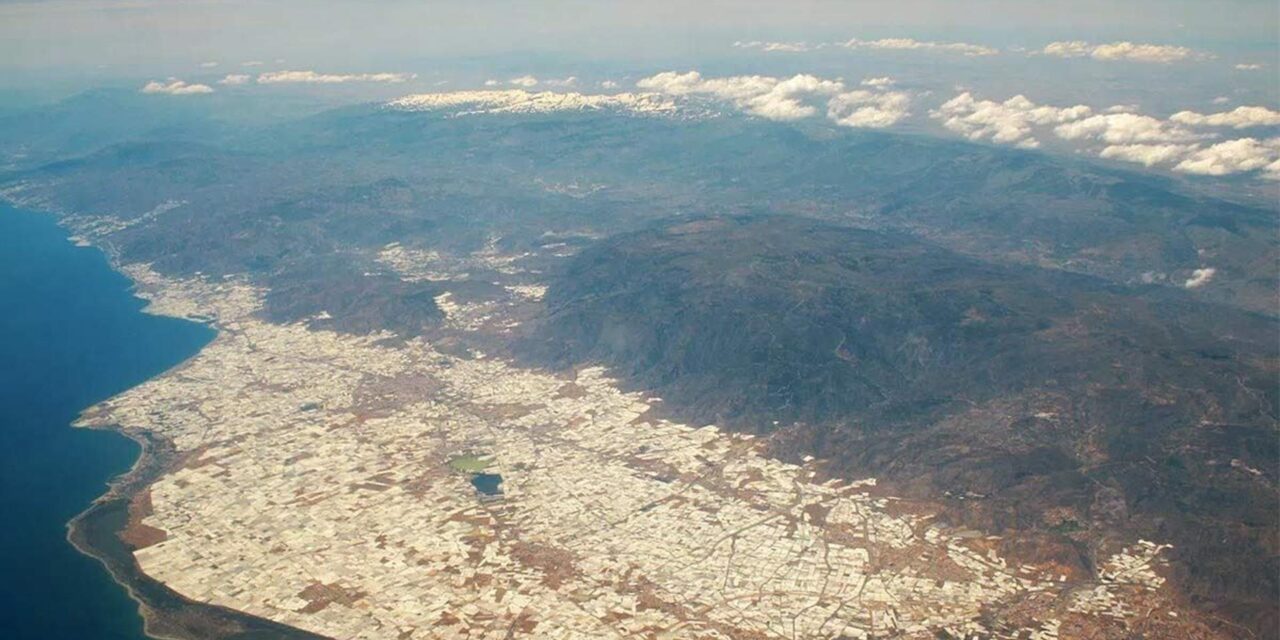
[(150, 34), (1188, 86)]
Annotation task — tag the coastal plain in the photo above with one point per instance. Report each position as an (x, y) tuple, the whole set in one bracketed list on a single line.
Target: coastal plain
[(313, 487)]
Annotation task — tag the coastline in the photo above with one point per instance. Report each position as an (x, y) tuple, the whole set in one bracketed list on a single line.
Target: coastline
[(98, 530), (167, 615)]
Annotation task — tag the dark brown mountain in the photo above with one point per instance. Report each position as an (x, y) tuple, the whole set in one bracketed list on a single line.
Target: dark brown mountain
[(1054, 405)]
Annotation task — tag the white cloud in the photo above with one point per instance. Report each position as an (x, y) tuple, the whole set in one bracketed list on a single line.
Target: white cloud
[(786, 100), (910, 44), (1221, 100), (783, 47), (176, 87), (1121, 108), (1238, 118), (234, 78), (311, 77), (525, 81), (1008, 122), (521, 101), (1125, 129), (1234, 156), (899, 44), (692, 83), (882, 81), (1249, 66), (1136, 51), (1200, 277), (609, 84), (208, 65), (1121, 134), (491, 83), (1146, 154), (252, 63), (874, 109), (794, 98), (563, 82), (763, 96)]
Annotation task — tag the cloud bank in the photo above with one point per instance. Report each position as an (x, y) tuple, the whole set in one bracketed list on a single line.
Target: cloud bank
[(800, 96), (1008, 122), (1186, 142), (1135, 51), (1238, 118), (1235, 156)]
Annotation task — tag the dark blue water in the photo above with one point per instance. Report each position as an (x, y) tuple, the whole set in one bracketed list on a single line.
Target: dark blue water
[(70, 335), (489, 484)]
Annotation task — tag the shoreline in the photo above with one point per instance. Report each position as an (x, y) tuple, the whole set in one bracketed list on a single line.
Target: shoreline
[(97, 531), (166, 615)]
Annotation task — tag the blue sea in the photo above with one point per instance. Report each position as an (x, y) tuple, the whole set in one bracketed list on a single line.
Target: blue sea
[(71, 334)]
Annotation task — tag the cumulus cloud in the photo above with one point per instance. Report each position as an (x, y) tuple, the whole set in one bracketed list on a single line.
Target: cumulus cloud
[(1125, 129), (1238, 118), (1181, 142), (1136, 51), (786, 100), (1249, 66), (1221, 100), (882, 81), (692, 83), (176, 87), (873, 109), (234, 78), (763, 96), (793, 98), (1200, 277), (491, 83), (1121, 108), (608, 84), (910, 44), (525, 81), (563, 82), (252, 63), (208, 65), (1146, 154), (312, 77), (1234, 156), (1008, 122)]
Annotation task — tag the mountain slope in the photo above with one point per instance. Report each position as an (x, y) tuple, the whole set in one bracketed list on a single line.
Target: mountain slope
[(1042, 401)]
